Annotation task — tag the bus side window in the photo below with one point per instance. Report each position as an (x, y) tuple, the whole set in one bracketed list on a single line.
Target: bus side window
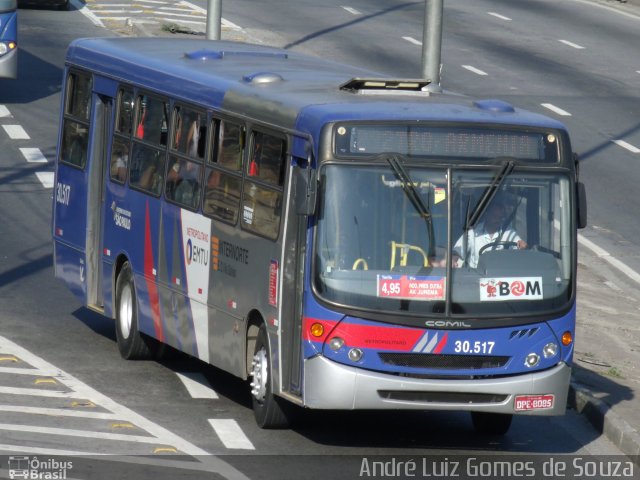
[(152, 120), (74, 143), (183, 182), (147, 169), (230, 146), (267, 158), (190, 132), (124, 119), (119, 160), (75, 135), (222, 195), (78, 96)]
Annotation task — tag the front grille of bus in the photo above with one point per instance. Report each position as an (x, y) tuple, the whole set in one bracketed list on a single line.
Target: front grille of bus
[(444, 362), (465, 398)]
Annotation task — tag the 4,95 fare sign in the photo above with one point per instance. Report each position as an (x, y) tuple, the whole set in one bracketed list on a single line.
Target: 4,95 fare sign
[(408, 287)]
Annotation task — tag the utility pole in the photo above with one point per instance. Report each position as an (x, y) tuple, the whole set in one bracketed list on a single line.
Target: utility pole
[(432, 43), (214, 19)]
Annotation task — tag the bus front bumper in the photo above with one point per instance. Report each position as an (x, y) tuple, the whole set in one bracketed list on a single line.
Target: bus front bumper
[(330, 385)]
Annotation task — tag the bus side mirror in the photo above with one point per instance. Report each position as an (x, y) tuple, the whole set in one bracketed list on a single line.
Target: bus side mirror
[(581, 199), (305, 188)]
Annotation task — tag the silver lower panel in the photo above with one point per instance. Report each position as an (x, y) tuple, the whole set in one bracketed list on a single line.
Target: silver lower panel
[(330, 385)]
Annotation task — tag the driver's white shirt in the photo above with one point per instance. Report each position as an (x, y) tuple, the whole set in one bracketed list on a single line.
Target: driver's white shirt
[(478, 238)]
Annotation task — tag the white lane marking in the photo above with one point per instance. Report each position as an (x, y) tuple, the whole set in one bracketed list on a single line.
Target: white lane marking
[(82, 8), (58, 412), (612, 286), (33, 155), (606, 256), (154, 2), (230, 434), (196, 385), (16, 132), (71, 432), (44, 451), (351, 10), (180, 15), (36, 392), (501, 17), (46, 179), (81, 390), (102, 13), (555, 109), (628, 146), (4, 112), (412, 40), (29, 371), (115, 18), (176, 9), (571, 44), (474, 69), (225, 23)]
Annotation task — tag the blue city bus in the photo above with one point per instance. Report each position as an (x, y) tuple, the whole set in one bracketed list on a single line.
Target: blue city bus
[(298, 223), (8, 39)]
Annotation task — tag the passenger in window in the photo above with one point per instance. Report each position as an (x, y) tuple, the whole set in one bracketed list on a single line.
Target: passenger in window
[(490, 234), (142, 120), (178, 135), (183, 182), (193, 138), (119, 162)]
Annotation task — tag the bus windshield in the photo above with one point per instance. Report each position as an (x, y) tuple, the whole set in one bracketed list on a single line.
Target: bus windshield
[(376, 248)]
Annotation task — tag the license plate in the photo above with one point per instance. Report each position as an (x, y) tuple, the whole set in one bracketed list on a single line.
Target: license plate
[(533, 402)]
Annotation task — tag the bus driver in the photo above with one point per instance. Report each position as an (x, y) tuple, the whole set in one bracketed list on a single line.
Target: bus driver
[(491, 234)]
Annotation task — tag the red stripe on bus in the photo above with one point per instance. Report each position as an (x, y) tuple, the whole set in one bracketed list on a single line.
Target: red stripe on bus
[(441, 344), (378, 337), (154, 298)]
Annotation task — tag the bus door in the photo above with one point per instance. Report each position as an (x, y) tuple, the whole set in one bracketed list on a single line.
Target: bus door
[(98, 141), (295, 245), (70, 204)]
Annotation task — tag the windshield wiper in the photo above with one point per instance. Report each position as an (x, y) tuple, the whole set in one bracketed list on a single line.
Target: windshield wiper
[(489, 194), (408, 186)]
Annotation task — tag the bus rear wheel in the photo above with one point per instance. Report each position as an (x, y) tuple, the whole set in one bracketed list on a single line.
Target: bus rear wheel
[(270, 412), (131, 343), (491, 423)]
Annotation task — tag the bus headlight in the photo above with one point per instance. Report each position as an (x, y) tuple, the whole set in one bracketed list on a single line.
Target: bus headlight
[(550, 350), (3, 48), (532, 360), (355, 354), (336, 343)]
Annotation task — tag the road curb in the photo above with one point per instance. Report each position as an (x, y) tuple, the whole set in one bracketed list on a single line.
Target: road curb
[(605, 420)]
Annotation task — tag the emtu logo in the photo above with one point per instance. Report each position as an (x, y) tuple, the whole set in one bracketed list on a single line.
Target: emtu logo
[(189, 251), (196, 254)]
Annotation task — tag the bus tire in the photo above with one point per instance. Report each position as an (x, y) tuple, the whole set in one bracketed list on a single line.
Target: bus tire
[(270, 411), (487, 423), (131, 343)]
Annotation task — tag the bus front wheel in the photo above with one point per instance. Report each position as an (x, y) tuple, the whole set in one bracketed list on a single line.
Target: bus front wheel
[(268, 410), (131, 343), (491, 423)]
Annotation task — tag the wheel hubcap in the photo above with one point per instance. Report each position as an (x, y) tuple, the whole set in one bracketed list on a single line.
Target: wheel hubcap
[(126, 311), (259, 373)]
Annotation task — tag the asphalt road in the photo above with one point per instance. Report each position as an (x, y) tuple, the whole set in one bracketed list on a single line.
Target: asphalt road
[(524, 62)]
